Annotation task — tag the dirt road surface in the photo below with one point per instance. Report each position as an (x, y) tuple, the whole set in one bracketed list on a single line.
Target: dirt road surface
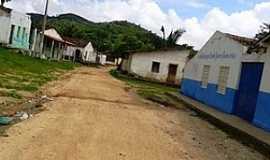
[(93, 117)]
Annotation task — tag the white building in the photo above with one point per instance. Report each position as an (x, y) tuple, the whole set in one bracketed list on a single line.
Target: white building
[(163, 66), (15, 28), (223, 75), (53, 47), (80, 51)]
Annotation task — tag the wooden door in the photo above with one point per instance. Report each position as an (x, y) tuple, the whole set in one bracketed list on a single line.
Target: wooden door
[(172, 73)]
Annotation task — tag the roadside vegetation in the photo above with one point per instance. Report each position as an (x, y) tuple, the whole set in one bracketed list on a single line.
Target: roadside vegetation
[(20, 74), (153, 91)]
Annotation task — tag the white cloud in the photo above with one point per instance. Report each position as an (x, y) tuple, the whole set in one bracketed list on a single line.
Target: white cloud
[(148, 14)]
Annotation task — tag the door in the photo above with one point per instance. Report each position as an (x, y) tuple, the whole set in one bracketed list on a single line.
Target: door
[(77, 55), (249, 86), (11, 34), (172, 73)]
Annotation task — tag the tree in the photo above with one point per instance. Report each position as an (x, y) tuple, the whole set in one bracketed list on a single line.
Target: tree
[(264, 29), (4, 1), (174, 37)]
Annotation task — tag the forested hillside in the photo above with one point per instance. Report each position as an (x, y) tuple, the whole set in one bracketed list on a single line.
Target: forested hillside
[(113, 37)]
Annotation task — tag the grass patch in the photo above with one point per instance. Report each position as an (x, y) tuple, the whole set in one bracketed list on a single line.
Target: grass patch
[(11, 93), (148, 90), (24, 73)]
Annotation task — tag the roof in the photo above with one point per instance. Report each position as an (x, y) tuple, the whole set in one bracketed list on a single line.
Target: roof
[(53, 34), (76, 42), (8, 10), (243, 40)]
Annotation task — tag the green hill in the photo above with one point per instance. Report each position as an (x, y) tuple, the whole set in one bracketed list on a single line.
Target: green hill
[(115, 37)]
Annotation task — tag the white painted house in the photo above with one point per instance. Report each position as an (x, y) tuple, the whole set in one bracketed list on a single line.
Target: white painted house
[(225, 76), (163, 66), (53, 47), (15, 28), (80, 50)]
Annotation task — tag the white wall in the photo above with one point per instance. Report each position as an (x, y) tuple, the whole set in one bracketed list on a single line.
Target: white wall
[(218, 51), (264, 58), (21, 19), (5, 29), (69, 51), (141, 64), (91, 54)]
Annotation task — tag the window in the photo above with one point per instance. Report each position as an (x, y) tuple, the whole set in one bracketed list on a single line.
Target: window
[(155, 67), (24, 34), (86, 55), (223, 79), (205, 76), (18, 32)]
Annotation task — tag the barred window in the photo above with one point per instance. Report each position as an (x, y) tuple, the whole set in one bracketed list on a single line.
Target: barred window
[(205, 76), (224, 72)]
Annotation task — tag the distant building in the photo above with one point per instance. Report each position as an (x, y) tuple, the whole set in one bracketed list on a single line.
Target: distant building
[(53, 47), (162, 66), (232, 74), (15, 28), (80, 50)]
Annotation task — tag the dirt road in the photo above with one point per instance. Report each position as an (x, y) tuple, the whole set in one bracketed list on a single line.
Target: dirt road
[(93, 117)]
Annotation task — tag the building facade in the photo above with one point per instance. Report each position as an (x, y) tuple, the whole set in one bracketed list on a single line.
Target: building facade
[(80, 51), (53, 46), (15, 28), (162, 66), (225, 76)]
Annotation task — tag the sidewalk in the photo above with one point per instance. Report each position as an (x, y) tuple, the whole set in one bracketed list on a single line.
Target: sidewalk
[(247, 133)]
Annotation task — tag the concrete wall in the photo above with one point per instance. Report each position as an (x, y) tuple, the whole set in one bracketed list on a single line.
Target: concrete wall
[(210, 54), (18, 20), (23, 21), (262, 114), (218, 51), (141, 64), (89, 55), (5, 29)]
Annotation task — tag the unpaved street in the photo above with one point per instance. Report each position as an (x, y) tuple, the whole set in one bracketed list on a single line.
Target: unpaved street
[(93, 117)]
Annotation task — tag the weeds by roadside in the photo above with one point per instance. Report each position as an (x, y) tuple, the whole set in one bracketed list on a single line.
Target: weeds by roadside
[(149, 90)]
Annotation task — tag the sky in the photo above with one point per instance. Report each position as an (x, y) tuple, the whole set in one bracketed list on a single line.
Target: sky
[(200, 18)]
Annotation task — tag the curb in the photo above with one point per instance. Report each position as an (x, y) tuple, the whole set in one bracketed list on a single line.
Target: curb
[(236, 133)]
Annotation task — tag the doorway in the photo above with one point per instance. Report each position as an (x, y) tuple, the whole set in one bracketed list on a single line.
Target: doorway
[(11, 34), (77, 55), (172, 73), (247, 94)]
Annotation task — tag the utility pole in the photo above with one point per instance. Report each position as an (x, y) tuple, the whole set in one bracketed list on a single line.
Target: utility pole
[(43, 30)]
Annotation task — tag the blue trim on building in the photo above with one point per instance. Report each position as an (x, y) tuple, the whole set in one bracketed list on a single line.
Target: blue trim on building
[(209, 95), (262, 114), (225, 103)]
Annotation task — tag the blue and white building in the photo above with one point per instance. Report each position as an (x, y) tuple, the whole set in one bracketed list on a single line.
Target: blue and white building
[(226, 76), (14, 28)]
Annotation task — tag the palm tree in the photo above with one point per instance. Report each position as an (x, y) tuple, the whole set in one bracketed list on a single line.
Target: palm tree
[(4, 1), (174, 37), (264, 30)]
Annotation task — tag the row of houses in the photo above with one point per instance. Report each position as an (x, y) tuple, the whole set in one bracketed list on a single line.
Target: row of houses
[(232, 74), (16, 32)]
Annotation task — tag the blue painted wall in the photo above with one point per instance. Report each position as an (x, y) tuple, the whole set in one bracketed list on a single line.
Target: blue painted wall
[(262, 114), (225, 103), (209, 95)]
